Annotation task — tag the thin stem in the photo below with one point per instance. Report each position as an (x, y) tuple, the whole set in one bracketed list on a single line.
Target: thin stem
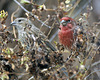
[(51, 29), (31, 14), (91, 73), (42, 25), (12, 16), (74, 7)]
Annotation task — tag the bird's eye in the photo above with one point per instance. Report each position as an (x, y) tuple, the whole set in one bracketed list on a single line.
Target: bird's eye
[(19, 20), (65, 22), (68, 21)]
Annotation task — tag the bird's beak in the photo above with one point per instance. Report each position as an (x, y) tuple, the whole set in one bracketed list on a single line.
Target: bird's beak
[(63, 22), (13, 23)]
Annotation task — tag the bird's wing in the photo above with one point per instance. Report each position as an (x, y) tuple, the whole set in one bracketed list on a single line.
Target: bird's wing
[(37, 32)]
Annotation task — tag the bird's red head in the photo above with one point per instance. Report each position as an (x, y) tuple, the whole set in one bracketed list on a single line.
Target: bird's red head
[(66, 23)]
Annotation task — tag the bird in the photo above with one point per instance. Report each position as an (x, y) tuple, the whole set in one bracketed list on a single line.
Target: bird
[(29, 34), (67, 32)]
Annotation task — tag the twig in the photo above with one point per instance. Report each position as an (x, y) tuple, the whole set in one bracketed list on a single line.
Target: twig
[(2, 32), (95, 63), (54, 35), (58, 69), (74, 75), (24, 73), (79, 10), (42, 25), (31, 78), (31, 14), (91, 73), (12, 16), (91, 48), (74, 7), (51, 29)]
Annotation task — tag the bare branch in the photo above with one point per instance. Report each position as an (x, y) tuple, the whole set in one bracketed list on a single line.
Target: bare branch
[(91, 73), (74, 7), (98, 62), (53, 36), (31, 14), (12, 16), (51, 29)]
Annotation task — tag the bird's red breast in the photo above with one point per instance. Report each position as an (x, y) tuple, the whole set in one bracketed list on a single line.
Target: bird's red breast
[(66, 32)]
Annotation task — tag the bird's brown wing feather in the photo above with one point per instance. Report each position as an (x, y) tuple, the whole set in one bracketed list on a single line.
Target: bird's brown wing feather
[(39, 34)]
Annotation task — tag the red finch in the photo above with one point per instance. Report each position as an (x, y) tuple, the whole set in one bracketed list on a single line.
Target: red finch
[(66, 33)]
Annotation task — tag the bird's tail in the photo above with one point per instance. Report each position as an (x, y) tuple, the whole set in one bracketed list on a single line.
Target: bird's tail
[(49, 45), (46, 44)]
